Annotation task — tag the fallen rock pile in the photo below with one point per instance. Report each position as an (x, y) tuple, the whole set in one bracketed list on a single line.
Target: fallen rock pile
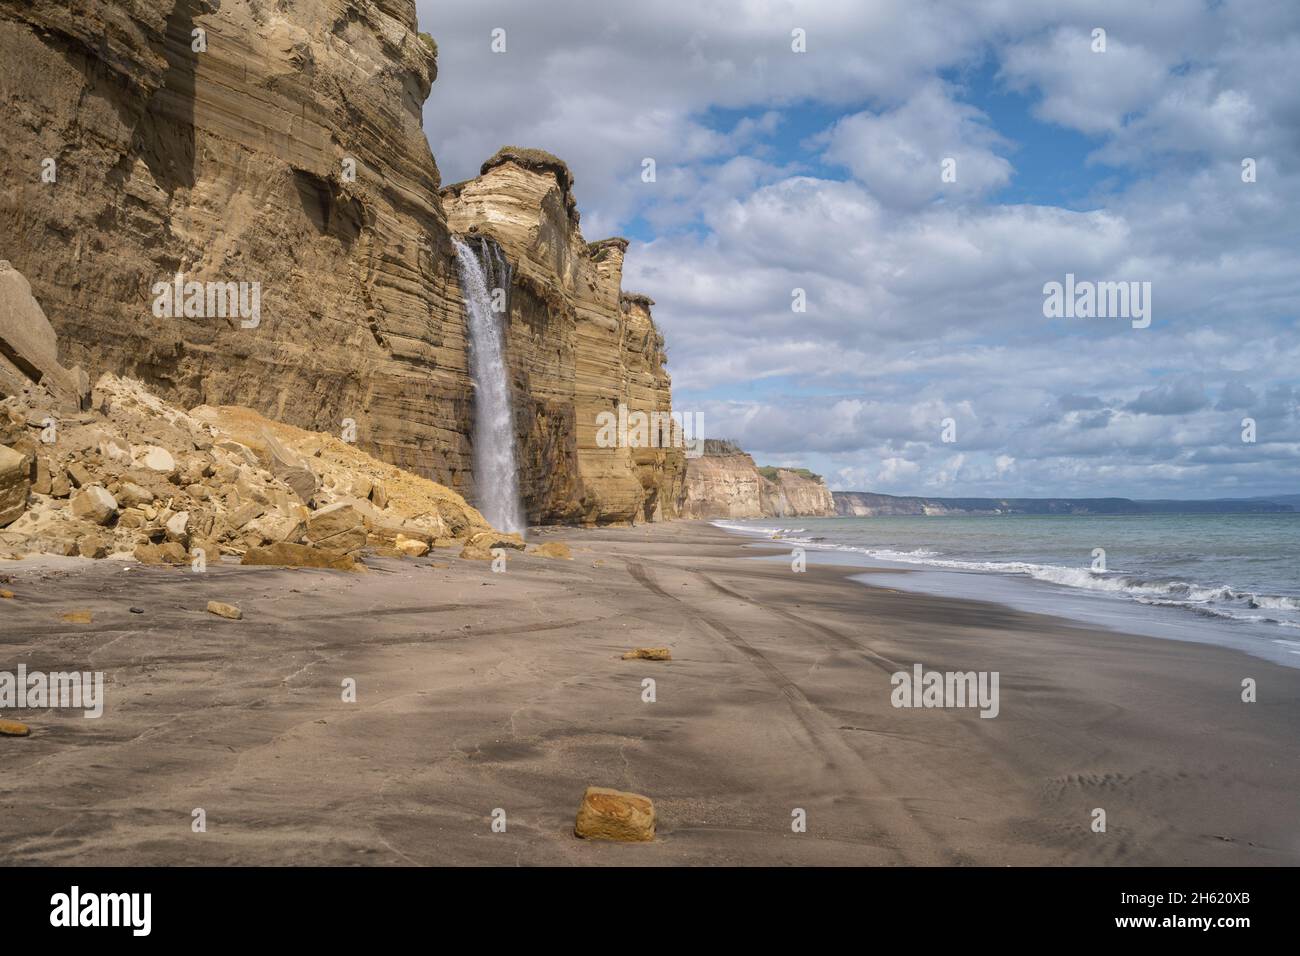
[(115, 470), (132, 474)]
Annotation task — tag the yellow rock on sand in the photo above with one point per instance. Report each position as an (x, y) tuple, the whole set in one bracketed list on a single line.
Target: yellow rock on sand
[(554, 549), (78, 617), (228, 611), (649, 654), (608, 814), (286, 555), (413, 547), (6, 595), (12, 728)]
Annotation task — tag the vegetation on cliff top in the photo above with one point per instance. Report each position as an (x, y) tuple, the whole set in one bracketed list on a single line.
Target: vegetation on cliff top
[(537, 160), (769, 472), (600, 248)]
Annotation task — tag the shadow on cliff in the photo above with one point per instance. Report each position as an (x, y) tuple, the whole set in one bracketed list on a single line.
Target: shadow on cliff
[(165, 136)]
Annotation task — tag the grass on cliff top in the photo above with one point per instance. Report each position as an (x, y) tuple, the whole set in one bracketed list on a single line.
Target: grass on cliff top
[(536, 159), (769, 472), (430, 42)]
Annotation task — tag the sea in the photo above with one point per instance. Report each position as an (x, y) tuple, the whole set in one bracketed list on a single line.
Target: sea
[(1226, 579)]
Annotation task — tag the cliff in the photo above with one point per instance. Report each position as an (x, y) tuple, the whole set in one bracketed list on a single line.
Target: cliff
[(787, 492), (724, 482), (280, 146), (579, 346)]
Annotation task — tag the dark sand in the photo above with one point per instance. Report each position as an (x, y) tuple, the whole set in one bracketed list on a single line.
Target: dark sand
[(480, 691)]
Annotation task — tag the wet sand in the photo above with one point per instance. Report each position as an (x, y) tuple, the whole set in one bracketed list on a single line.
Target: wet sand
[(478, 691)]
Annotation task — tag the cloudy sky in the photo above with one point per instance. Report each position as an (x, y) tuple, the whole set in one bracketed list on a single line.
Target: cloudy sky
[(823, 170)]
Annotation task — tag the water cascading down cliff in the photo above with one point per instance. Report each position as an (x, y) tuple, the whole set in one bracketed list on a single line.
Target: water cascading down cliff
[(291, 153), (485, 281)]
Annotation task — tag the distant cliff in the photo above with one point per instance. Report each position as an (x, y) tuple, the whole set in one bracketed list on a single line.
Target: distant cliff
[(867, 504), (724, 482)]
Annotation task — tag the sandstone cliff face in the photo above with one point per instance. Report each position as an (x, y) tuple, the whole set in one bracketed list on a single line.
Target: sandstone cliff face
[(281, 144), (578, 346), (725, 483), (788, 493)]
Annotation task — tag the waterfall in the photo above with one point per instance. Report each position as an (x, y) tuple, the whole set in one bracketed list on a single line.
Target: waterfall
[(496, 475)]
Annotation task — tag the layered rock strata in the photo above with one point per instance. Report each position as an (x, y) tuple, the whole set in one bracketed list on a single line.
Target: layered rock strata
[(725, 483), (279, 146), (579, 348)]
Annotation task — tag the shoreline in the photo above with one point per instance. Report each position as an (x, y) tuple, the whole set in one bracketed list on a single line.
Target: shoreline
[(478, 691), (1108, 610)]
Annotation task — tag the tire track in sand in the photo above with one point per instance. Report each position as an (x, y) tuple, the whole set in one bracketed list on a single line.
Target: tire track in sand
[(914, 843)]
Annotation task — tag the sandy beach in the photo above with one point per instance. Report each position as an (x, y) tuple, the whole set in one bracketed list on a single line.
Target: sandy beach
[(478, 690)]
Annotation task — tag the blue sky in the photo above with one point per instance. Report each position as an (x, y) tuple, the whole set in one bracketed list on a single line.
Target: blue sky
[(821, 171)]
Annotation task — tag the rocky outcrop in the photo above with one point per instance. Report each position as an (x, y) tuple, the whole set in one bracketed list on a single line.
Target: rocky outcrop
[(725, 483), (787, 492), (280, 146), (722, 483), (579, 347)]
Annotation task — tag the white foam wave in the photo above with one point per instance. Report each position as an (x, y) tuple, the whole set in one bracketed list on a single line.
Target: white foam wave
[(1219, 601)]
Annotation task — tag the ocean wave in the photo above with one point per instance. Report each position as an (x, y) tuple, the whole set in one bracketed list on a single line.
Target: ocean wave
[(1212, 600)]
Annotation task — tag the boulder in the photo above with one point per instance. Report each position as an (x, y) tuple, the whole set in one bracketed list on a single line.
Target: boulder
[(286, 555), (79, 474), (338, 527), (156, 459), (477, 551), (15, 483), (43, 484), (290, 468), (92, 546), (169, 552), (649, 654), (554, 549), (228, 611), (29, 349), (412, 547), (116, 450), (178, 527), (239, 449), (94, 503), (13, 728), (244, 514), (608, 814), (60, 487), (495, 539), (275, 527), (131, 495)]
